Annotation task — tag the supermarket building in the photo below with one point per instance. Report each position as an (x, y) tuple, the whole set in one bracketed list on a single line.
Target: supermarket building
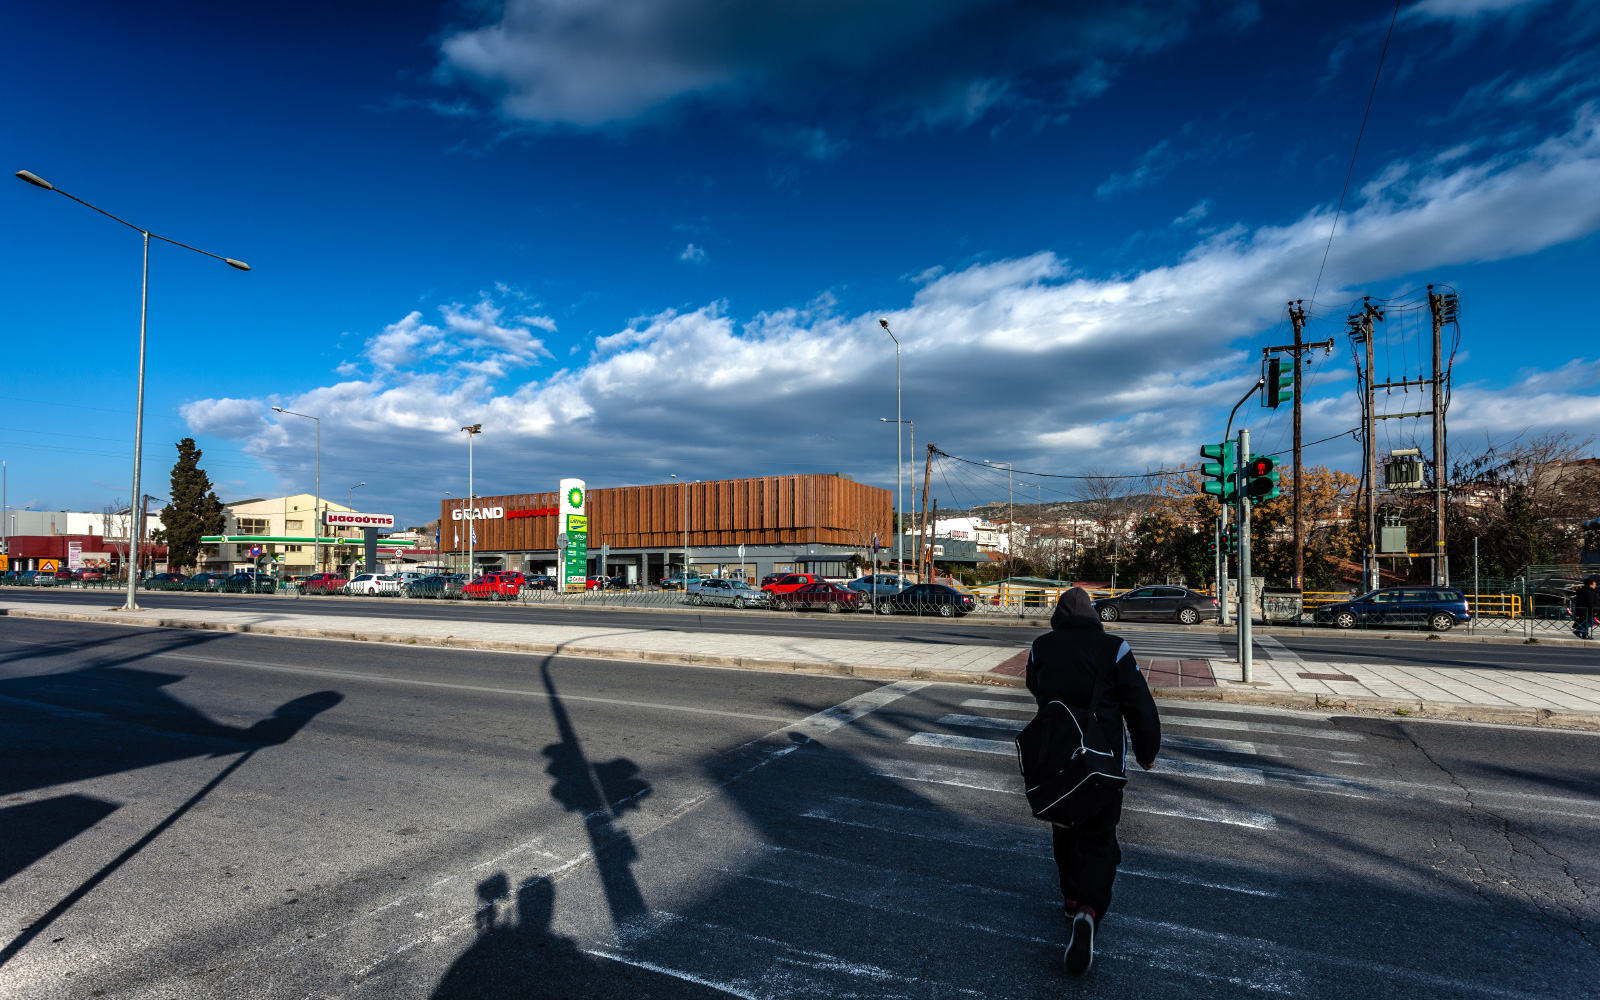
[(746, 528)]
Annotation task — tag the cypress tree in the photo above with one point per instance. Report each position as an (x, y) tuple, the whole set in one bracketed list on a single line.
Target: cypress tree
[(193, 509)]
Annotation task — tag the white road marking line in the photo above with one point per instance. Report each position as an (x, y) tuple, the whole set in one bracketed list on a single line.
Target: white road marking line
[(948, 742), (984, 722), (1206, 769), (1277, 650), (1005, 706), (1221, 746), (1190, 722), (690, 977), (849, 711), (1199, 809), (1125, 869), (1261, 749), (940, 774)]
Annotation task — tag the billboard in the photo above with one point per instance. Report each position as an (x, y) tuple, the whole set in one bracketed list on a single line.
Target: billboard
[(75, 555), (574, 531), (351, 519)]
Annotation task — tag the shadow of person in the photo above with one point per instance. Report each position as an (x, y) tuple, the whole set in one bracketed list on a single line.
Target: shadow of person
[(525, 959)]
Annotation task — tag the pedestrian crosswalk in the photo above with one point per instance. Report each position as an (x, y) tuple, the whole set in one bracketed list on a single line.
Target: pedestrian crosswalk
[(894, 856)]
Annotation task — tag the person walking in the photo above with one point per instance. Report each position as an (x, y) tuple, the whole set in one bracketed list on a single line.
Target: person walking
[(1065, 665), (1585, 606)]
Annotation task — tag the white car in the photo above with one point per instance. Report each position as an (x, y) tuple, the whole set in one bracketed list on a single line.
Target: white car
[(713, 590), (375, 585)]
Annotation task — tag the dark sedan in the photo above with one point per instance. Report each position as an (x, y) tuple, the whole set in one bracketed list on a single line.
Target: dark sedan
[(203, 581), (248, 583), (437, 585), (818, 597), (1399, 607), (164, 581), (928, 599), (1157, 604)]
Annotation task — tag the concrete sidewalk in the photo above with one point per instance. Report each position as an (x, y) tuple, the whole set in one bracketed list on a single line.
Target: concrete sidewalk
[(1280, 678)]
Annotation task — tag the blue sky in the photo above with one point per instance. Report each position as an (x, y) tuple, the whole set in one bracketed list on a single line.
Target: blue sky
[(638, 238)]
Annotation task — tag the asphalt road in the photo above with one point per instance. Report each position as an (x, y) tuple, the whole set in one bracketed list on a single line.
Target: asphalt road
[(1147, 640), (195, 814)]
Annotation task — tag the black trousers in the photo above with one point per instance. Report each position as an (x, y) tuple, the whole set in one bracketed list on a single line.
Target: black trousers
[(1087, 856)]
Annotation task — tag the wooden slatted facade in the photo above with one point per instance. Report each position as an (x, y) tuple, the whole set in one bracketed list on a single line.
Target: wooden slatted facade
[(774, 510)]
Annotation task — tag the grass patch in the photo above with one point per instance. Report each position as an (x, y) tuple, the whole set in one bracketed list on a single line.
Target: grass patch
[(1531, 641), (1402, 711)]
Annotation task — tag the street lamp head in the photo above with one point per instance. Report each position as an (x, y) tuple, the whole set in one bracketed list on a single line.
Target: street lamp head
[(474, 429), (241, 265), (883, 321), (35, 180)]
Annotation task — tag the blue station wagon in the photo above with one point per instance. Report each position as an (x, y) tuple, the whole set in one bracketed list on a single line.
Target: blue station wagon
[(1437, 608)]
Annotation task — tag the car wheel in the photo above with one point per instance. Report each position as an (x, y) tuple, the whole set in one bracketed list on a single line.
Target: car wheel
[(1188, 616), (1109, 613), (696, 599), (1344, 619), (947, 611), (884, 608), (778, 604), (833, 607), (1442, 622), (738, 602)]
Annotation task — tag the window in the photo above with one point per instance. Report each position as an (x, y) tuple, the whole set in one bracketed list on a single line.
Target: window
[(1169, 592), (294, 525), (1447, 596), (292, 548), (1146, 592), (251, 526)]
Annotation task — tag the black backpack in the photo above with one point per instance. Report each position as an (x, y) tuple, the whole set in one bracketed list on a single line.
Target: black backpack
[(1068, 769)]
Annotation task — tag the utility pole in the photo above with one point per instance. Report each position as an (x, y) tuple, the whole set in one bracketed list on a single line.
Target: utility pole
[(1361, 332), (933, 536), (1443, 308), (1297, 316), (927, 546)]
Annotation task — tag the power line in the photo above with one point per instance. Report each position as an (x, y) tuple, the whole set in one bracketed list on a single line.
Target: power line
[(1347, 174)]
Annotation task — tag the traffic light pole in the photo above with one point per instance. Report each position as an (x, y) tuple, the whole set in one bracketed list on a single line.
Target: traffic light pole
[(1244, 555)]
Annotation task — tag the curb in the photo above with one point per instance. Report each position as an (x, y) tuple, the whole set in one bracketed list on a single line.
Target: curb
[(864, 670), (1547, 718)]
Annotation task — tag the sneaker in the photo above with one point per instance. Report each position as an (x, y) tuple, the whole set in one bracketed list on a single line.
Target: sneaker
[(1080, 948)]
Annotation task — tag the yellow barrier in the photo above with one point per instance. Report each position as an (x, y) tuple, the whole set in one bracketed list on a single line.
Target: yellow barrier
[(1496, 605)]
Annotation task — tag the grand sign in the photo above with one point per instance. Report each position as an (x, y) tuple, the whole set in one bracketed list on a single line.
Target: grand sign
[(351, 519), (496, 513)]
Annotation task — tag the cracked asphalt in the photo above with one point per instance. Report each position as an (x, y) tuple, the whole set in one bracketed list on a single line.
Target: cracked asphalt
[(196, 814)]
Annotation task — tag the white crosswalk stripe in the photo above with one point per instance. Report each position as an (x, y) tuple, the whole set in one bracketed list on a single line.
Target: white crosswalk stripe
[(962, 743), (1240, 725)]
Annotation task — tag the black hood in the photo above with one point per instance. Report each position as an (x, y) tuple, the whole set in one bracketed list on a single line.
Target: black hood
[(1075, 610)]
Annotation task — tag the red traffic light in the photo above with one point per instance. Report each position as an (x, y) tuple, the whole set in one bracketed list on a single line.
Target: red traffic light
[(1261, 465)]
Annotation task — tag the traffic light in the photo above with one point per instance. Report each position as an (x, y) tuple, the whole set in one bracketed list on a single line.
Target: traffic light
[(1219, 471), (1261, 478), (1230, 539), (1211, 546), (1280, 383)]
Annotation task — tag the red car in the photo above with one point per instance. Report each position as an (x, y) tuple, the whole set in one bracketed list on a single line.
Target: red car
[(791, 582), (91, 575), (493, 587), (324, 583), (818, 597)]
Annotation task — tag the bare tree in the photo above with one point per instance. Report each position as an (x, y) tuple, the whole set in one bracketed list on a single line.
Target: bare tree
[(116, 527)]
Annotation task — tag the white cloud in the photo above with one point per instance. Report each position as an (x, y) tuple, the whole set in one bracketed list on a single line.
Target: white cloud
[(693, 254), (1021, 359)]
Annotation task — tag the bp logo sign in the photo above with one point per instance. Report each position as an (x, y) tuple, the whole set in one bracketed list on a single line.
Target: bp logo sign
[(575, 498)]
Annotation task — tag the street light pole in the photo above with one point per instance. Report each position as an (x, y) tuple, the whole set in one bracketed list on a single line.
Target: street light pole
[(472, 499), (899, 459), (912, 424), (349, 495), (316, 501), (131, 604)]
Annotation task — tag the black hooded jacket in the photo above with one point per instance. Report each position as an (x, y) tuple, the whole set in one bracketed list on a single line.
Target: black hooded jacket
[(1063, 667), (1586, 598)]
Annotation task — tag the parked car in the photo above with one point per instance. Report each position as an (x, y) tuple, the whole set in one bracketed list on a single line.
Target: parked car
[(878, 583), (164, 581), (540, 582), (928, 599), (676, 581), (820, 597), (92, 574), (1166, 604), (736, 593), (323, 583), (492, 587), (203, 581), (374, 585), (437, 585), (247, 582), (790, 582), (37, 578), (1554, 612), (1399, 607)]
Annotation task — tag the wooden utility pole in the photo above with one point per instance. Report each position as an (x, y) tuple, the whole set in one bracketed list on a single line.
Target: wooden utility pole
[(1443, 308), (1297, 316), (927, 546), (933, 537), (1361, 331)]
